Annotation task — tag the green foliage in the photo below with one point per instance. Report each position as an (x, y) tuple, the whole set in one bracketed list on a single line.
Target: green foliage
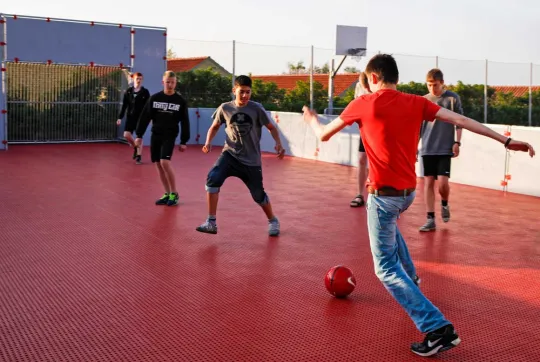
[(208, 88), (205, 88), (298, 97), (419, 89), (268, 94)]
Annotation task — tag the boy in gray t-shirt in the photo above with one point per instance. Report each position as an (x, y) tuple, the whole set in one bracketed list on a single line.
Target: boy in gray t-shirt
[(440, 142), (241, 156)]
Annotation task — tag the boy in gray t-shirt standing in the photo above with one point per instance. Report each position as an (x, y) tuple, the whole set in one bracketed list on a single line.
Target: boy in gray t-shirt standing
[(241, 156), (440, 142)]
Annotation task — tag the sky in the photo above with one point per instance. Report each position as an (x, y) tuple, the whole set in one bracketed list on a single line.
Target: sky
[(269, 34)]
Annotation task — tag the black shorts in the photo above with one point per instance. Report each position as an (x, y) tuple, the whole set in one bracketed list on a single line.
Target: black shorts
[(228, 166), (161, 147), (437, 165), (131, 124), (361, 146)]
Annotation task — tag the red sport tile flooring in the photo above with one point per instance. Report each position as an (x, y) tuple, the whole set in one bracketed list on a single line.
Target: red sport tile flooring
[(92, 270)]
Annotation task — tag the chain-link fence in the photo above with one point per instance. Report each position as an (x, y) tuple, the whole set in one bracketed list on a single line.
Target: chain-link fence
[(287, 77)]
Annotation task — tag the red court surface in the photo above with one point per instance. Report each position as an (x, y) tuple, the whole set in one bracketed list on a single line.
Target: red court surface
[(92, 270)]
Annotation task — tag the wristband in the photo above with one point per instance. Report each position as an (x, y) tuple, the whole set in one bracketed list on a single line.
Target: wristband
[(457, 143), (508, 140)]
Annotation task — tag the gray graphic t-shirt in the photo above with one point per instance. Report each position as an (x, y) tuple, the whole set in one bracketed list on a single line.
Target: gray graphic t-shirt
[(243, 127), (438, 136)]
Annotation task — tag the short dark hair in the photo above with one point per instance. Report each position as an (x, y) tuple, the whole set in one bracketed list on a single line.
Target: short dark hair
[(243, 80), (364, 81), (385, 67), (435, 74)]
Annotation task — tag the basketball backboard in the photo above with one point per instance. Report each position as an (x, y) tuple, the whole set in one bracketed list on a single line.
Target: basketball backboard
[(351, 40)]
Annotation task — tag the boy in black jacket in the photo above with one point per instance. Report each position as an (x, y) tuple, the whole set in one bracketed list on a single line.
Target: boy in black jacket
[(134, 100), (167, 110)]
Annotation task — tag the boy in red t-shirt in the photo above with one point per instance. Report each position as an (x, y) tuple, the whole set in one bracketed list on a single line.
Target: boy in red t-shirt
[(390, 123)]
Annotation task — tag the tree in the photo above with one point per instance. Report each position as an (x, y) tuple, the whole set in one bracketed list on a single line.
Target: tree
[(171, 54), (268, 94), (208, 88), (297, 68), (419, 89), (204, 87), (351, 70), (296, 98), (472, 98), (325, 69)]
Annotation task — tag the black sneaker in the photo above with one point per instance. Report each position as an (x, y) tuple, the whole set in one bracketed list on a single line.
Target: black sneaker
[(173, 199), (163, 200), (437, 341), (138, 160), (134, 152)]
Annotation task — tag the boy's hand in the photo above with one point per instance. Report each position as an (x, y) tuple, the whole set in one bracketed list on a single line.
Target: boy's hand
[(280, 151), (521, 146), (182, 148), (207, 148), (309, 114), (455, 150)]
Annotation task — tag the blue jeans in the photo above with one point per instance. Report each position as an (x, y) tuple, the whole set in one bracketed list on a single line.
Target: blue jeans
[(393, 263)]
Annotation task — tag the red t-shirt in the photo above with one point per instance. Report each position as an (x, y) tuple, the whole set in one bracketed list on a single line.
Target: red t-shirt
[(390, 123)]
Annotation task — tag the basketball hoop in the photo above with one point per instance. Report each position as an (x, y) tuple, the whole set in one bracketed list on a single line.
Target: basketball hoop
[(356, 53)]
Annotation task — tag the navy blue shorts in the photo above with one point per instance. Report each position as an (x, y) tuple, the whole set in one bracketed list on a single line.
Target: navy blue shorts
[(228, 166)]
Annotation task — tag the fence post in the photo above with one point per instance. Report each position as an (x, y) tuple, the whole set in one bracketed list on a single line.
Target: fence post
[(3, 85), (486, 94), (311, 70), (331, 88), (132, 55), (530, 94), (233, 65), (436, 61), (507, 177)]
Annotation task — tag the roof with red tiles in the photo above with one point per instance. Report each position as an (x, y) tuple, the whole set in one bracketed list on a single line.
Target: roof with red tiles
[(517, 90), (342, 82), (184, 64)]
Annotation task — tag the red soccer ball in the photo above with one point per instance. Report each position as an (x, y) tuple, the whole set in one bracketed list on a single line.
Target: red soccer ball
[(340, 281)]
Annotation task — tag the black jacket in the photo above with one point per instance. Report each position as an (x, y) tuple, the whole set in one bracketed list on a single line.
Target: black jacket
[(134, 103)]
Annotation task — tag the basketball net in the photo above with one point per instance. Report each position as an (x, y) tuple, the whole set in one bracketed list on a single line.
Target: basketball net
[(356, 54)]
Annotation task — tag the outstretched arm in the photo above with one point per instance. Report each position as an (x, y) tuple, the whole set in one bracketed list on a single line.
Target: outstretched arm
[(459, 120), (323, 132)]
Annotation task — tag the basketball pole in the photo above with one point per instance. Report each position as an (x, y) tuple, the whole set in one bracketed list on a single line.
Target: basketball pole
[(331, 83)]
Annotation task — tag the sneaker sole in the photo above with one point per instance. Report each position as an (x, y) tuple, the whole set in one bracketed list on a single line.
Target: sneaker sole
[(206, 231), (427, 230), (439, 349)]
